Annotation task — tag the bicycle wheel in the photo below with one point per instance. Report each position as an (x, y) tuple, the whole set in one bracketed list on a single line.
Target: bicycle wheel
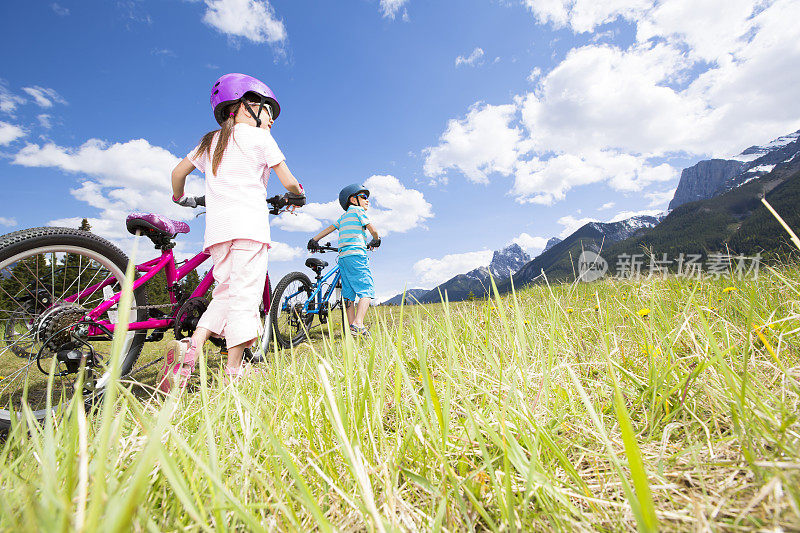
[(290, 322), (337, 310), (50, 278)]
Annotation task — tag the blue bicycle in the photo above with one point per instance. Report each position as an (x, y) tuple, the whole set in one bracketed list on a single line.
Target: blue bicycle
[(297, 300)]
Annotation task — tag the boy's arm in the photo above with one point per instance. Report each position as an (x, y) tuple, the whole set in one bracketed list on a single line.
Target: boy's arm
[(376, 240), (287, 178), (313, 243), (324, 233), (372, 231)]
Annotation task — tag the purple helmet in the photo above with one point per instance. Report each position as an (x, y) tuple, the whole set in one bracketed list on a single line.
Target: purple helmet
[(232, 87)]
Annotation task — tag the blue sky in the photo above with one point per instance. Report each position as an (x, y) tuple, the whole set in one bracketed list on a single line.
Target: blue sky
[(476, 123)]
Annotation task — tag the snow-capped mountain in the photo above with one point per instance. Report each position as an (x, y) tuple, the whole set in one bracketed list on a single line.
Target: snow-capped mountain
[(550, 243), (507, 261), (476, 282), (619, 231), (756, 152), (709, 178)]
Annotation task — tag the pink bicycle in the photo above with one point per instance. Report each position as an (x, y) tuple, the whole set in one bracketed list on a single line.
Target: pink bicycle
[(59, 295)]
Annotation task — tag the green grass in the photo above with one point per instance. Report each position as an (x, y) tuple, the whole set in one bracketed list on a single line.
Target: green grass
[(557, 408)]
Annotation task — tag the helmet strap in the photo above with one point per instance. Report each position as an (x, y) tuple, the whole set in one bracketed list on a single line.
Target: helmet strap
[(255, 116)]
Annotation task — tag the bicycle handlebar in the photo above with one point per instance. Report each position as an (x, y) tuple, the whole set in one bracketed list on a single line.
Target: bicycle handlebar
[(322, 248), (277, 203)]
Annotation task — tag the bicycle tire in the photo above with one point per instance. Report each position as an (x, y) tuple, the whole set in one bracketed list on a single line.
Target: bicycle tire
[(28, 243), (283, 338)]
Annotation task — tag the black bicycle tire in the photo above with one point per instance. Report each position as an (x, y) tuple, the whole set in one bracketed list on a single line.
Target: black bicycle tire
[(16, 242), (275, 309)]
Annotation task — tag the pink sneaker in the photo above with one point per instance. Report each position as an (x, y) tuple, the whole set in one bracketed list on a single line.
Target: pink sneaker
[(179, 359)]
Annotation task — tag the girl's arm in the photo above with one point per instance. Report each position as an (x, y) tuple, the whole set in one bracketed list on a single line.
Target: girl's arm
[(287, 179), (179, 174)]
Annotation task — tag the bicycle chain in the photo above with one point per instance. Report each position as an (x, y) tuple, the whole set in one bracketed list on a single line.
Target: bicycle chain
[(148, 365), (154, 306)]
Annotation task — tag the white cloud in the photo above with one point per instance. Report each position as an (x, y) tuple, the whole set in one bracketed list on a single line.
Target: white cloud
[(8, 222), (59, 10), (8, 100), (571, 224), (607, 205), (660, 198), (393, 209), (116, 179), (431, 272), (390, 8), (481, 144), (9, 133), (326, 211), (529, 243), (584, 15), (45, 121), (711, 33), (254, 20), (697, 85), (280, 251), (298, 221), (44, 97), (473, 59), (396, 209)]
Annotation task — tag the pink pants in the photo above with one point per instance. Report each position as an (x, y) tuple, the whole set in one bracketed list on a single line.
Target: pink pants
[(240, 270)]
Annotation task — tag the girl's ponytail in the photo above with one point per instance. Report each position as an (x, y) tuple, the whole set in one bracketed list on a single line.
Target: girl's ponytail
[(225, 133)]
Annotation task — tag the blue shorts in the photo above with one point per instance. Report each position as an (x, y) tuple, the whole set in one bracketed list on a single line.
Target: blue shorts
[(357, 280)]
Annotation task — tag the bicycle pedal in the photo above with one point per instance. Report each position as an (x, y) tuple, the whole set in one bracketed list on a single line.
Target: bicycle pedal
[(155, 336)]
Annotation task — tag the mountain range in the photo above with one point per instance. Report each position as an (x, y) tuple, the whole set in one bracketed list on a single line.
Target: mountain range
[(711, 177), (716, 204)]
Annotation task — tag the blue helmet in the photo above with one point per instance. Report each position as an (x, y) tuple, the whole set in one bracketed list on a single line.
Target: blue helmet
[(350, 190)]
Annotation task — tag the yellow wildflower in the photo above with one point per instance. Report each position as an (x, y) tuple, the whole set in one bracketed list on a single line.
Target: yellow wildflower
[(729, 289), (644, 312), (596, 307), (569, 309)]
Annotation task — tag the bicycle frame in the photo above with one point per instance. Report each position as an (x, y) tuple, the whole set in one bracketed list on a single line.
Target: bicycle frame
[(317, 298), (150, 268)]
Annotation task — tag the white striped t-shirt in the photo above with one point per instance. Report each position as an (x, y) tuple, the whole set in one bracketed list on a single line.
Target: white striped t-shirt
[(236, 196), (352, 235)]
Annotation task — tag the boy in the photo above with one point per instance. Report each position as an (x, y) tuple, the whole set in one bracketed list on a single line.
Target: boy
[(357, 279)]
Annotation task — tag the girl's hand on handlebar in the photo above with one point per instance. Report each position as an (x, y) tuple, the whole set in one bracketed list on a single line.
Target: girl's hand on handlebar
[(288, 202), (189, 201)]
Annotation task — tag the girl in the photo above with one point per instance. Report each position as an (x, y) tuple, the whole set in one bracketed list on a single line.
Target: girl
[(236, 160)]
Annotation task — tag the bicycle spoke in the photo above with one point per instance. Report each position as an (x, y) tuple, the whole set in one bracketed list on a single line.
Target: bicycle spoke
[(34, 284)]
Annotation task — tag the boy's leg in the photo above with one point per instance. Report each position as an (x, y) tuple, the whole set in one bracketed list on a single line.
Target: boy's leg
[(351, 313), (361, 312)]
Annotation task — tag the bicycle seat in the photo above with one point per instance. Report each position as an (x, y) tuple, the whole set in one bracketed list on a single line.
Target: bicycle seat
[(316, 264), (151, 224)]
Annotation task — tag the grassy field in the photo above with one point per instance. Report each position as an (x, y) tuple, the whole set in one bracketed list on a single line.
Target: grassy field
[(663, 404)]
